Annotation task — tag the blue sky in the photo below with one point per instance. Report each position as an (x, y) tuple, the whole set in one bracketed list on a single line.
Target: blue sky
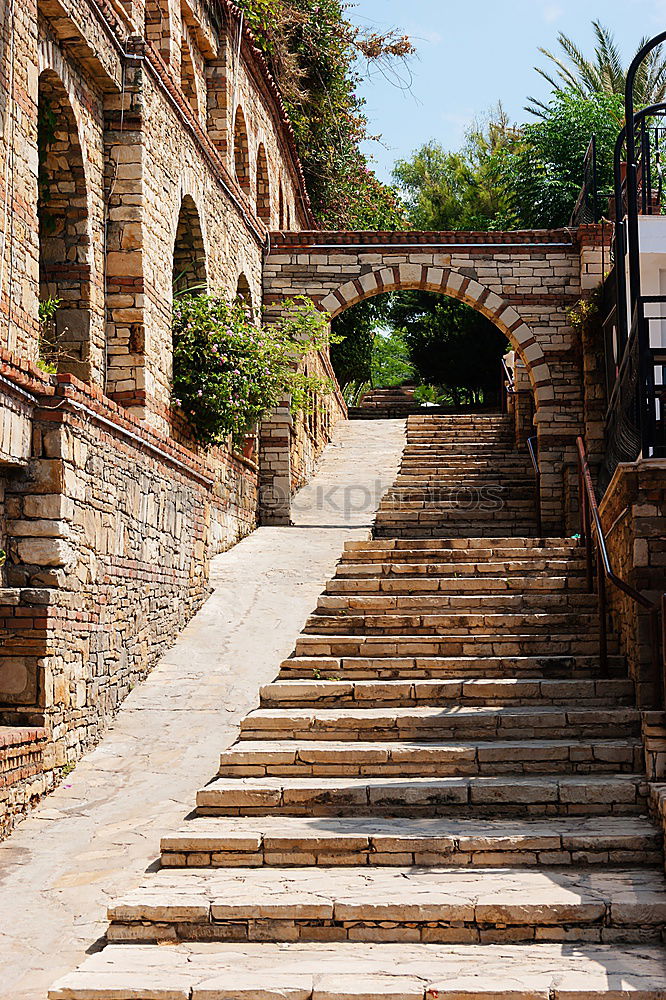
[(472, 53)]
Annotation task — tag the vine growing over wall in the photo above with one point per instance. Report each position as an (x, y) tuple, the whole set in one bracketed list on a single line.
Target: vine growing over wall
[(315, 54)]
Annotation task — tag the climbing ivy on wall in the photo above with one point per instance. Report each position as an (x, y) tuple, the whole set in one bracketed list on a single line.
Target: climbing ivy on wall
[(316, 55)]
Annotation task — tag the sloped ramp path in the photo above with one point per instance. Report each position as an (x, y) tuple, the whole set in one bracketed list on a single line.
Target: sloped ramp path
[(95, 836)]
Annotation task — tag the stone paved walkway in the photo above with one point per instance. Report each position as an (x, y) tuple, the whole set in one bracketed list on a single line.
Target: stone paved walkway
[(96, 835)]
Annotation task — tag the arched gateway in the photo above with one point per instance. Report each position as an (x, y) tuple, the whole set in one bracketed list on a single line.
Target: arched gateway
[(524, 282)]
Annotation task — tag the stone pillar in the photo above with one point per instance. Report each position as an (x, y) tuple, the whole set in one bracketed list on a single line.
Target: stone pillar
[(523, 409), (218, 105), (633, 513), (125, 289), (275, 467)]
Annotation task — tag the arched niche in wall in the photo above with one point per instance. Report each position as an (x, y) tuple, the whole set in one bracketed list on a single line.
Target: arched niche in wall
[(281, 205), (263, 187), (241, 151), (64, 233), (189, 252), (244, 293)]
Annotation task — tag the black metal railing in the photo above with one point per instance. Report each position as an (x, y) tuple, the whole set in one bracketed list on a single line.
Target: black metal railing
[(598, 562), (533, 448), (586, 210), (635, 419)]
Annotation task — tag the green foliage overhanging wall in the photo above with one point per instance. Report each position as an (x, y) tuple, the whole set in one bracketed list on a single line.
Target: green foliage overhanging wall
[(315, 53)]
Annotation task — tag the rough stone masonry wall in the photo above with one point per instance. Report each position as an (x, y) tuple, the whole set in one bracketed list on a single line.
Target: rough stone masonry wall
[(633, 514), (109, 520), (110, 530)]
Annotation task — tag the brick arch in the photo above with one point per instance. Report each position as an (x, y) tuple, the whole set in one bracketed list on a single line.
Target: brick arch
[(458, 286)]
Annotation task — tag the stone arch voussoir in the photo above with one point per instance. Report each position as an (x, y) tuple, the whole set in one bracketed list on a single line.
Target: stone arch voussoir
[(405, 277)]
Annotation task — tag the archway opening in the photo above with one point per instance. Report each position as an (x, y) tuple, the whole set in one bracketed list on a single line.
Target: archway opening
[(440, 350), (189, 252), (241, 151), (64, 235), (263, 187)]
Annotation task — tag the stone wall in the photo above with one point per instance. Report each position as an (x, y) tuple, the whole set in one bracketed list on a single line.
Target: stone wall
[(109, 513), (633, 514), (524, 282), (110, 528)]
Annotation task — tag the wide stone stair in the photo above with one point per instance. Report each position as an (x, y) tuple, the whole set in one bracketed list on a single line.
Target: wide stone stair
[(460, 477), (440, 796)]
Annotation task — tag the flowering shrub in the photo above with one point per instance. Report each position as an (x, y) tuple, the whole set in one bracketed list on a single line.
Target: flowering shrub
[(228, 372)]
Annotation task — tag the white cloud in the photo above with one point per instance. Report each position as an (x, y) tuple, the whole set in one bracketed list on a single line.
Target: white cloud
[(552, 12)]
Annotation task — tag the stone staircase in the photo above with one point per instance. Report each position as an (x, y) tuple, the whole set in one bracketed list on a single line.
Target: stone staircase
[(439, 796), (460, 477), (392, 403)]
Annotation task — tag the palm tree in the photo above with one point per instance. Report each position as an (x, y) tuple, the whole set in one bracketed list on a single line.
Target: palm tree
[(604, 73)]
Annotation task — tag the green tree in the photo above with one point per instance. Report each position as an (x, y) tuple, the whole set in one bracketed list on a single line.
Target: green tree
[(354, 331), (464, 190), (603, 73), (391, 359), (542, 169), (450, 345)]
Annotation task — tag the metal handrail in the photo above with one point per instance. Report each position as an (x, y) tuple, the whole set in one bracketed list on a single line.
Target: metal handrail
[(590, 519), (532, 447), (511, 382)]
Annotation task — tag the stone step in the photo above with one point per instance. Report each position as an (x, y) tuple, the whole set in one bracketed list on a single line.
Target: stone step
[(292, 841), (417, 565), (521, 644), (455, 586), (357, 971), (446, 529), (444, 623), (463, 797), (414, 759), (470, 723), (457, 691), (568, 545), (566, 602), (440, 904), (458, 482), (469, 503), (431, 667), (458, 494)]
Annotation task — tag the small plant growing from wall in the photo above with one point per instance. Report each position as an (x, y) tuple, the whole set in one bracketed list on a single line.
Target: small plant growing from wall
[(228, 371), (47, 336)]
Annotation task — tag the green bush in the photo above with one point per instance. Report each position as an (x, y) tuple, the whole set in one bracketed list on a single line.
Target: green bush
[(228, 372)]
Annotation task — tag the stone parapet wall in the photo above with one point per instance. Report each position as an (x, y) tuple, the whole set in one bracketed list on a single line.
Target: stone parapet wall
[(633, 514), (110, 528)]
